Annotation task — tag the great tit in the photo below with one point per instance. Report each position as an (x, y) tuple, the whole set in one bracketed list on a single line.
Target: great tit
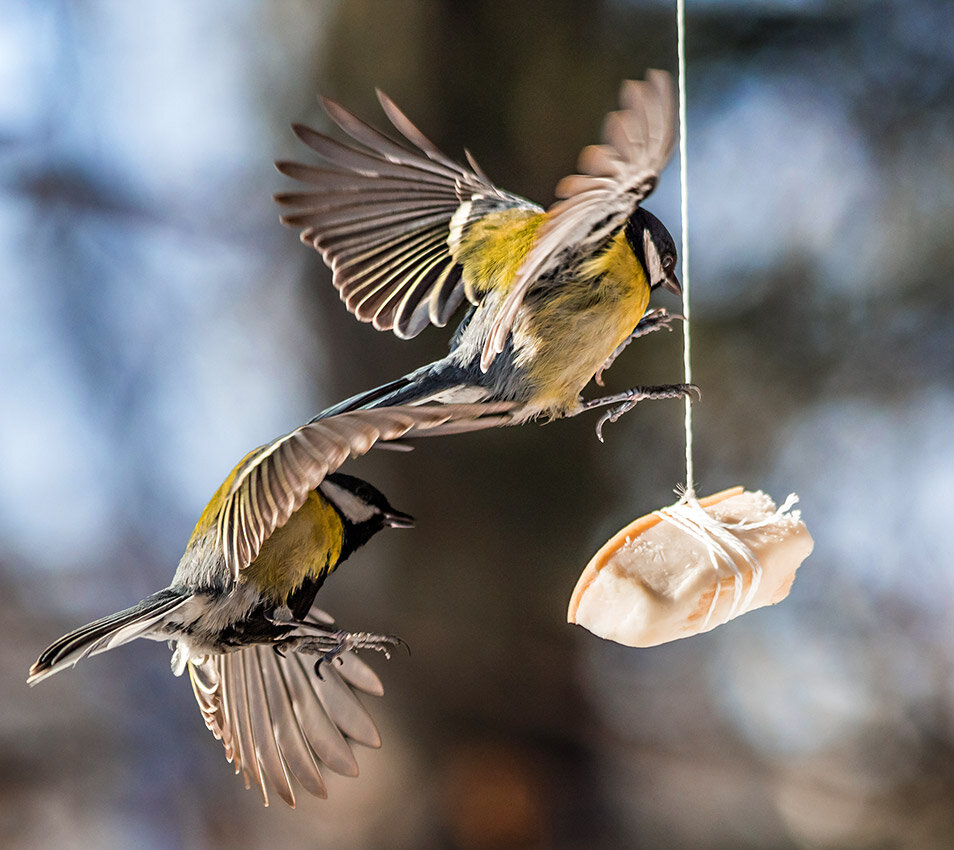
[(555, 294), (239, 612)]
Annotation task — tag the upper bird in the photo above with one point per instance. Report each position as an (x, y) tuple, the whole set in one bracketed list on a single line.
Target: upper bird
[(239, 609), (555, 294)]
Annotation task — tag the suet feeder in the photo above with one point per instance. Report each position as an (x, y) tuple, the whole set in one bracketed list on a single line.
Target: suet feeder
[(688, 568)]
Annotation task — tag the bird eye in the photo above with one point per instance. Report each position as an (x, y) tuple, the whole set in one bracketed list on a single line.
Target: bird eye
[(668, 263)]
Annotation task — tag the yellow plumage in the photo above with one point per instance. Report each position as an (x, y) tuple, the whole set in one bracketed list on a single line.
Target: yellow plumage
[(305, 547), (494, 248), (210, 513), (583, 322), (567, 337)]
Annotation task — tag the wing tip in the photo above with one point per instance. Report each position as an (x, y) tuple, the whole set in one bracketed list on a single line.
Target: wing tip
[(302, 131), (384, 99)]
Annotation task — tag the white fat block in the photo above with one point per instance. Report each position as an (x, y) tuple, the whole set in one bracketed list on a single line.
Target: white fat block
[(691, 567)]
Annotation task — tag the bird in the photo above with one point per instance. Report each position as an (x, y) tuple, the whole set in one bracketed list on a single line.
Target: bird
[(555, 295), (239, 613)]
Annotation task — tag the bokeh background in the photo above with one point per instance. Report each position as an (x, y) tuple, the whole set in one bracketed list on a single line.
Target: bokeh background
[(156, 322)]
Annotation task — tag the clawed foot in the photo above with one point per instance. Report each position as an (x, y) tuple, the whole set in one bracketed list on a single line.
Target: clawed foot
[(347, 641), (655, 320), (612, 415), (330, 643), (624, 402)]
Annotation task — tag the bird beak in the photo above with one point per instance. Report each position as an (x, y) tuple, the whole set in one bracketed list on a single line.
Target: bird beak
[(396, 519), (672, 284)]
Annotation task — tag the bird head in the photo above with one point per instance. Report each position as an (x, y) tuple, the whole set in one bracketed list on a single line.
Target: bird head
[(364, 509), (655, 249)]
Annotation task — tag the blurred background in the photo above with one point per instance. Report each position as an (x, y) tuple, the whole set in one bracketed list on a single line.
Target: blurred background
[(157, 322)]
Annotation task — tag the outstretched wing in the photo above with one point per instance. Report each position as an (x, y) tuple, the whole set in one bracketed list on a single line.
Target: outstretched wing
[(387, 217), (277, 718), (274, 480), (616, 176)]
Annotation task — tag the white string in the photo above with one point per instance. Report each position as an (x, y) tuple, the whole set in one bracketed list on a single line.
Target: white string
[(726, 549), (684, 201)]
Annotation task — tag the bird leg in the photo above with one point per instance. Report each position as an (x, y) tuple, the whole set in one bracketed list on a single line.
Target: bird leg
[(655, 320), (330, 643), (626, 401), (359, 640)]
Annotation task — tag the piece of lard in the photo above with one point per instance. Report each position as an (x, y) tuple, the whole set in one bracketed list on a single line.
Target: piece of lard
[(656, 581)]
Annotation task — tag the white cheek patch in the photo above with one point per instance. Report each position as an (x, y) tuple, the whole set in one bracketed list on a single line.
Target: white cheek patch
[(654, 267), (345, 501)]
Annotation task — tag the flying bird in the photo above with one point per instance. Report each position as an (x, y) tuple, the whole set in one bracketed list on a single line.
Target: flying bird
[(239, 612), (555, 295)]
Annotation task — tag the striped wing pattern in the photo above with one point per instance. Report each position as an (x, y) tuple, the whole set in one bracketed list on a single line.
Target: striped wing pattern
[(616, 176), (277, 719), (386, 217), (275, 480)]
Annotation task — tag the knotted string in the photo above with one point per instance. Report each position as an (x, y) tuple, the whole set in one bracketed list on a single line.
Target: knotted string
[(726, 550)]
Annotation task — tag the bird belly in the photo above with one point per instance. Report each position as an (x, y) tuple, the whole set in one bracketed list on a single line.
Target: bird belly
[(574, 332), (199, 627)]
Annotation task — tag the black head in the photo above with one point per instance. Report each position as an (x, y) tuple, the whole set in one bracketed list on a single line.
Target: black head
[(654, 248), (364, 509)]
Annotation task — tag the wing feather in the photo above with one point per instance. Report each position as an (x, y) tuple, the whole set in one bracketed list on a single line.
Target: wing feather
[(238, 686), (296, 463), (292, 743), (417, 252), (359, 675), (262, 722), (376, 203), (278, 719), (382, 300), (345, 709), (324, 737), (616, 176)]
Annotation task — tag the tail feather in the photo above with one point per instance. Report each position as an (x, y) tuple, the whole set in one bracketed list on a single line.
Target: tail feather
[(368, 399), (105, 634), (440, 381)]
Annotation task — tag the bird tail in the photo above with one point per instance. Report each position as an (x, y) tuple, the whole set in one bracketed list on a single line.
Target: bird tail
[(106, 633), (377, 397), (278, 717), (441, 381)]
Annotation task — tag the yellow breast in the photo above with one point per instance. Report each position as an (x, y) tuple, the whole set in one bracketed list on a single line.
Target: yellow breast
[(582, 321), (307, 546)]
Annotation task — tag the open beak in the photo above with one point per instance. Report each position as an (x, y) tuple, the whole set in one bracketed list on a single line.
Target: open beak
[(396, 519)]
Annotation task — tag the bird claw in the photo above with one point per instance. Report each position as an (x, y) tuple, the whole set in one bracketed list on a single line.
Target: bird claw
[(626, 401), (612, 415), (327, 658), (349, 641)]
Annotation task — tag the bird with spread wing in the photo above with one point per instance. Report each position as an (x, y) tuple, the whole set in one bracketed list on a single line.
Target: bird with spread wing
[(239, 612), (554, 295)]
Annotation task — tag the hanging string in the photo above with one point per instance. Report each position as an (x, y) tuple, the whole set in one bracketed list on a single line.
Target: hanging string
[(684, 201)]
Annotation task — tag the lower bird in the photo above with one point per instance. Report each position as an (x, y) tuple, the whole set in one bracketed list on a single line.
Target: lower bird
[(239, 611), (555, 294)]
